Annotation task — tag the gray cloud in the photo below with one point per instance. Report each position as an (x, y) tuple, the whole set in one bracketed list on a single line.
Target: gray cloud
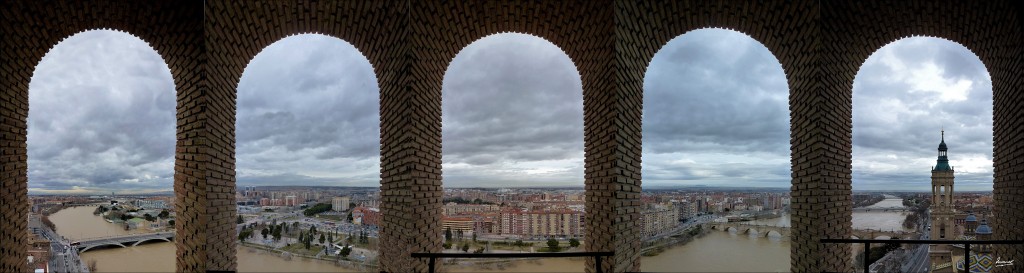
[(308, 115), (715, 113), (101, 115), (903, 95), (512, 114)]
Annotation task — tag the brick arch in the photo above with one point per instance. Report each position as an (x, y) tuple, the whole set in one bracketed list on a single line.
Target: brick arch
[(252, 48), (991, 30), (821, 202), (30, 30), (898, 38), (451, 57), (584, 31), (657, 42), (820, 45), (238, 31)]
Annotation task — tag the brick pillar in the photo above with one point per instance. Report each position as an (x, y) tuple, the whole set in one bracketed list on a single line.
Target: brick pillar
[(612, 109), (1007, 72), (410, 187), (821, 138), (16, 72), (30, 29)]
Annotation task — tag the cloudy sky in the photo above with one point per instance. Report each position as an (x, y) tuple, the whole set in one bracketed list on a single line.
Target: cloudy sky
[(308, 115), (715, 113), (101, 117), (512, 115), (903, 96)]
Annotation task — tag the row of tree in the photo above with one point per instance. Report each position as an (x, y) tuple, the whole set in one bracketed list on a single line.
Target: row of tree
[(317, 209)]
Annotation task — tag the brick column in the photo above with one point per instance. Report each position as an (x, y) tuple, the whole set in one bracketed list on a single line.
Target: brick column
[(1006, 68), (29, 30)]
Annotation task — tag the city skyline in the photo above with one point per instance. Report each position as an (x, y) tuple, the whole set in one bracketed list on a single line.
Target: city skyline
[(119, 161)]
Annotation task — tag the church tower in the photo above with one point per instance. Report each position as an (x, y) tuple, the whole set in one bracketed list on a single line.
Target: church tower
[(942, 196), (941, 210)]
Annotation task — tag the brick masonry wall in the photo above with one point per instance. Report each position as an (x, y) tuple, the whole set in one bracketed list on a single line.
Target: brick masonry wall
[(820, 44), (30, 29), (238, 30), (821, 202), (990, 29)]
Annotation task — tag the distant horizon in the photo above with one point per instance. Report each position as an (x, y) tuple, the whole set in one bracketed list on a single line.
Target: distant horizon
[(659, 188)]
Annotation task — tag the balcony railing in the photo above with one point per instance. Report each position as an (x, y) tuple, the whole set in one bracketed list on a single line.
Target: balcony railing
[(966, 243), (434, 256)]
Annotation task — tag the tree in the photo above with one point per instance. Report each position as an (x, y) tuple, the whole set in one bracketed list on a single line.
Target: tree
[(265, 232), (345, 251), (277, 233), (330, 237), (244, 234), (239, 221), (474, 237), (465, 247), (295, 225), (164, 214), (574, 242), (553, 244), (448, 234), (48, 223), (322, 238), (349, 217), (317, 209), (171, 222)]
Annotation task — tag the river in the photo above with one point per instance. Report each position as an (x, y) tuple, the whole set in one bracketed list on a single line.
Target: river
[(882, 220), (717, 251), (80, 223)]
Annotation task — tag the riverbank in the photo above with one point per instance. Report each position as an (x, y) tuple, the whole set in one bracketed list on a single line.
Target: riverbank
[(343, 262), (678, 239)]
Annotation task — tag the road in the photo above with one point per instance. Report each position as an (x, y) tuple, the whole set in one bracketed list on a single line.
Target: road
[(919, 260), (63, 257)]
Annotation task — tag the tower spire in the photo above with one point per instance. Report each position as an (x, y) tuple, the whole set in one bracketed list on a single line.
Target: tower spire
[(942, 164)]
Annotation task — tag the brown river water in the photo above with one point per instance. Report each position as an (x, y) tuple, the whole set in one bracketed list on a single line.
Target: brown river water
[(80, 223), (718, 251)]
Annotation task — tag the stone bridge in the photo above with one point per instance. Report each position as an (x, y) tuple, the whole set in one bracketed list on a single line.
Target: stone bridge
[(745, 228), (123, 240), (881, 234), (889, 209)]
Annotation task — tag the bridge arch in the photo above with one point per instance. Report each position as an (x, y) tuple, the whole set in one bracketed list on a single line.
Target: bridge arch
[(151, 239), (101, 245)]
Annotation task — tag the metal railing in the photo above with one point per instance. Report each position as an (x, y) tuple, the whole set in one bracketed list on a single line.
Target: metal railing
[(967, 246), (434, 256)]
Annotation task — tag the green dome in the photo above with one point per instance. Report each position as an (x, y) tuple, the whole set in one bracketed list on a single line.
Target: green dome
[(942, 164)]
